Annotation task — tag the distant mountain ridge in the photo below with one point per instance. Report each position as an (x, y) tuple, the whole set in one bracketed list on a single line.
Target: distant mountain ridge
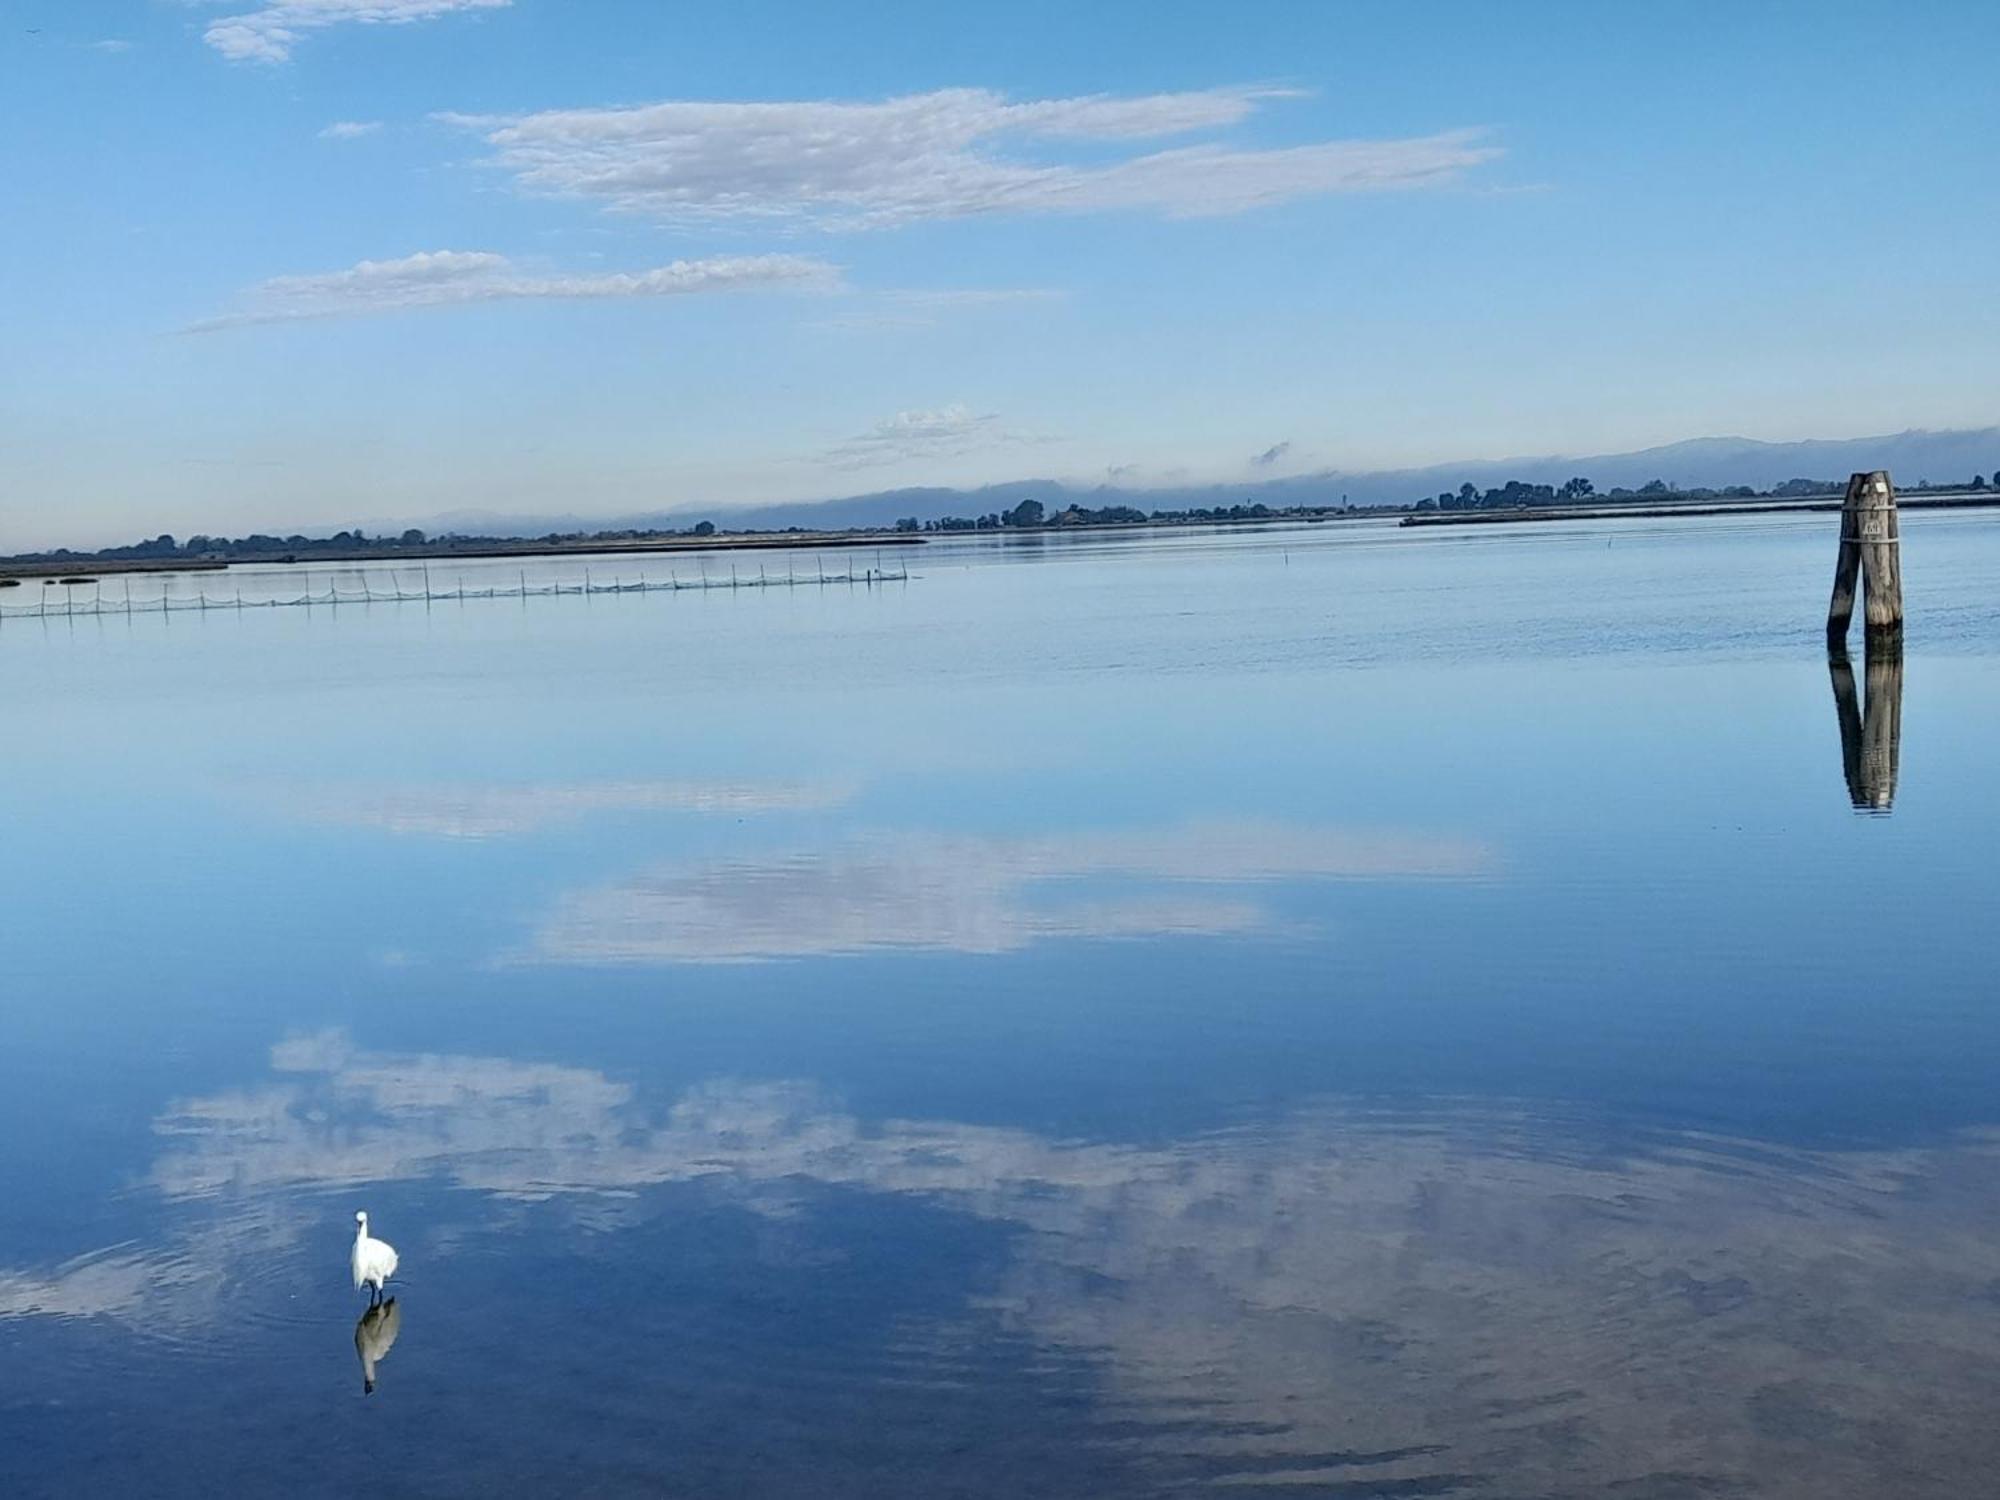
[(1710, 462)]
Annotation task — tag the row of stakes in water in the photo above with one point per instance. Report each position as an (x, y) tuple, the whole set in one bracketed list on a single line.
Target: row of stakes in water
[(70, 607)]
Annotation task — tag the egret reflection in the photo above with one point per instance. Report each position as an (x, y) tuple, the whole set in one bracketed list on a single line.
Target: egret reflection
[(374, 1336)]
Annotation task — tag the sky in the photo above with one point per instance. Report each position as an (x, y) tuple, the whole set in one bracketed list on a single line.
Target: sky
[(302, 264)]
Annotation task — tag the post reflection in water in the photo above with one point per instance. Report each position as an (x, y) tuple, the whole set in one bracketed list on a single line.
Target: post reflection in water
[(1871, 733), (374, 1337)]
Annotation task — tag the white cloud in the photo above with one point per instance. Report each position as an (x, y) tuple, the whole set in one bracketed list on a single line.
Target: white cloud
[(947, 432), (947, 154), (348, 130), (110, 44), (974, 895), (437, 278), (269, 33)]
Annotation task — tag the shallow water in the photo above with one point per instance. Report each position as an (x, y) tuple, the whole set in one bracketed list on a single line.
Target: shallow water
[(1367, 1011)]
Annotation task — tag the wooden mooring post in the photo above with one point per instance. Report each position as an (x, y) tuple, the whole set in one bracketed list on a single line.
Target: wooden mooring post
[(1870, 549), (1871, 730)]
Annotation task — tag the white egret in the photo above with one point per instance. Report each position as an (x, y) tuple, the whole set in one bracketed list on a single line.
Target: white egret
[(374, 1260)]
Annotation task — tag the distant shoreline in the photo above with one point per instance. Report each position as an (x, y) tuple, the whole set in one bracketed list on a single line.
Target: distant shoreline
[(83, 569), (1968, 501), (91, 568)]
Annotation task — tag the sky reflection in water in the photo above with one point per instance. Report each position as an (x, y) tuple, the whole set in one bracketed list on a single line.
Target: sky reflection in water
[(1190, 1014), (968, 894)]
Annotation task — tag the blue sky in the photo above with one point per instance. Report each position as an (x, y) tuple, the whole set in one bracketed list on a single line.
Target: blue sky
[(314, 262)]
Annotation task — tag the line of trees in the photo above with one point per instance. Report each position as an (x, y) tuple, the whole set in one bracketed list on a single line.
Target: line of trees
[(201, 548), (1032, 514), (1517, 494), (1027, 513)]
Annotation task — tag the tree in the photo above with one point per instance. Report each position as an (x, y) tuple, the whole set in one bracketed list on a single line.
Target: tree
[(1979, 481), (1577, 489), (414, 538), (908, 523), (1467, 495), (704, 528), (1027, 513)]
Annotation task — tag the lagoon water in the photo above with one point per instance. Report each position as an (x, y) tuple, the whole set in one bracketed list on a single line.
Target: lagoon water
[(1357, 1011)]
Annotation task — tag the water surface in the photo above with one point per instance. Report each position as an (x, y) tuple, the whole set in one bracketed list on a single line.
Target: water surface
[(1360, 1011)]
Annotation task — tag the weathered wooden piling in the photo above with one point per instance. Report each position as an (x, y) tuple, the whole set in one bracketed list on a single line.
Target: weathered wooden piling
[(1881, 557), (1870, 549), (1846, 570)]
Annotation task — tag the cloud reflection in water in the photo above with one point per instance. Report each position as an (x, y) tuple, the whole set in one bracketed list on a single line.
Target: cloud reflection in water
[(972, 895), (487, 812), (1472, 1290)]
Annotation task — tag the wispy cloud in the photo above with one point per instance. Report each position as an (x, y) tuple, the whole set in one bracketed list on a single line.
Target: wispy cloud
[(441, 278), (941, 155), (1272, 454), (946, 432), (348, 130), (110, 44), (269, 33)]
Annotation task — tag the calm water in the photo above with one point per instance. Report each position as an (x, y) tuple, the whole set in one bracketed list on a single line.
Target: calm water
[(1366, 1012)]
